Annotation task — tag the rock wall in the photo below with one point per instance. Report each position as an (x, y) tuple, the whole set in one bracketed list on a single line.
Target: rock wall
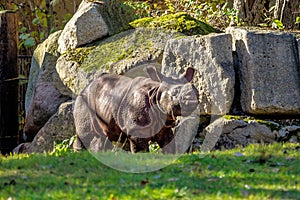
[(241, 71)]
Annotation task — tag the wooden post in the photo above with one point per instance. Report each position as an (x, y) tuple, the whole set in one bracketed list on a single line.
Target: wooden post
[(8, 82)]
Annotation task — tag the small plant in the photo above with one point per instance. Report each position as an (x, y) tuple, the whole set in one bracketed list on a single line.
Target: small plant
[(26, 39), (63, 147), (154, 147), (298, 18), (277, 24)]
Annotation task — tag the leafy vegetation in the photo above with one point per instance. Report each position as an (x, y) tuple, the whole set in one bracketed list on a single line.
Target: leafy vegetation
[(218, 13), (180, 22), (255, 172), (36, 21)]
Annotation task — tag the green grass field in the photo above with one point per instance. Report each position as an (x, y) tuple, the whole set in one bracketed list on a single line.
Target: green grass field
[(255, 172)]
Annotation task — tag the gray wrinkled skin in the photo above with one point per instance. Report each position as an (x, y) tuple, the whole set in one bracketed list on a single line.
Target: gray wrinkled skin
[(133, 112)]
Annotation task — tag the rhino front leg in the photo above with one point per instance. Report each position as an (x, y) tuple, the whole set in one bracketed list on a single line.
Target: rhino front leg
[(165, 139)]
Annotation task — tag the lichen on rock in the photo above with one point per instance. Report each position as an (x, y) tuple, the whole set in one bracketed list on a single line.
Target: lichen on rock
[(180, 22)]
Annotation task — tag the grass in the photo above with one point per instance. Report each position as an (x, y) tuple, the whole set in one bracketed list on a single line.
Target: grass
[(254, 172)]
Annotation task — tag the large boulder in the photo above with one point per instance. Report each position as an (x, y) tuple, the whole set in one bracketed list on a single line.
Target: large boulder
[(57, 129), (230, 132), (43, 56), (94, 21), (124, 53), (43, 95), (268, 68), (75, 32), (211, 55)]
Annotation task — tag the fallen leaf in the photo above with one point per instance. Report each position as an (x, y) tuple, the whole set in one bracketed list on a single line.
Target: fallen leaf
[(11, 182), (157, 176), (247, 161), (277, 164), (238, 154), (247, 187), (173, 179), (245, 192), (122, 180), (251, 170), (290, 159), (210, 167), (276, 170), (144, 182), (213, 179)]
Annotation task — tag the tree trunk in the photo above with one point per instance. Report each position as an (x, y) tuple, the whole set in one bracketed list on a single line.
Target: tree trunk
[(252, 12), (49, 16), (8, 82), (287, 11)]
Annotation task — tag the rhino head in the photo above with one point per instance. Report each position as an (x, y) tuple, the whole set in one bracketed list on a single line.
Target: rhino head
[(175, 96)]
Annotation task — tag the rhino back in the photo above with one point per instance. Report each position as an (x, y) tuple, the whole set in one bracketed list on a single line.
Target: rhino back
[(107, 92)]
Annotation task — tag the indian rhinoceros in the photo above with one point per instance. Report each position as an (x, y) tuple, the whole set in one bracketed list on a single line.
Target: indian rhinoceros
[(116, 108)]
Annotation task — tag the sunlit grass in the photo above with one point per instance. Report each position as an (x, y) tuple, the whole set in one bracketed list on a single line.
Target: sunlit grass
[(255, 172)]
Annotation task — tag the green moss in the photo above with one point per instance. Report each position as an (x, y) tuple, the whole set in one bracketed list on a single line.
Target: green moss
[(180, 22), (272, 125), (79, 54), (109, 51), (124, 54), (234, 117), (131, 46)]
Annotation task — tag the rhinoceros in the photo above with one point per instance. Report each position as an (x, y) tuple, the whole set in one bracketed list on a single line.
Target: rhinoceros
[(138, 111)]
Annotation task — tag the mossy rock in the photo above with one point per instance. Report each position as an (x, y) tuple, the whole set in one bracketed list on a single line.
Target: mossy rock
[(79, 54), (270, 124), (124, 53), (180, 22), (126, 50)]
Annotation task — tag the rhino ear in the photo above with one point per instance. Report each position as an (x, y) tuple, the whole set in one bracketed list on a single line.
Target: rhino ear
[(189, 74), (154, 74)]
